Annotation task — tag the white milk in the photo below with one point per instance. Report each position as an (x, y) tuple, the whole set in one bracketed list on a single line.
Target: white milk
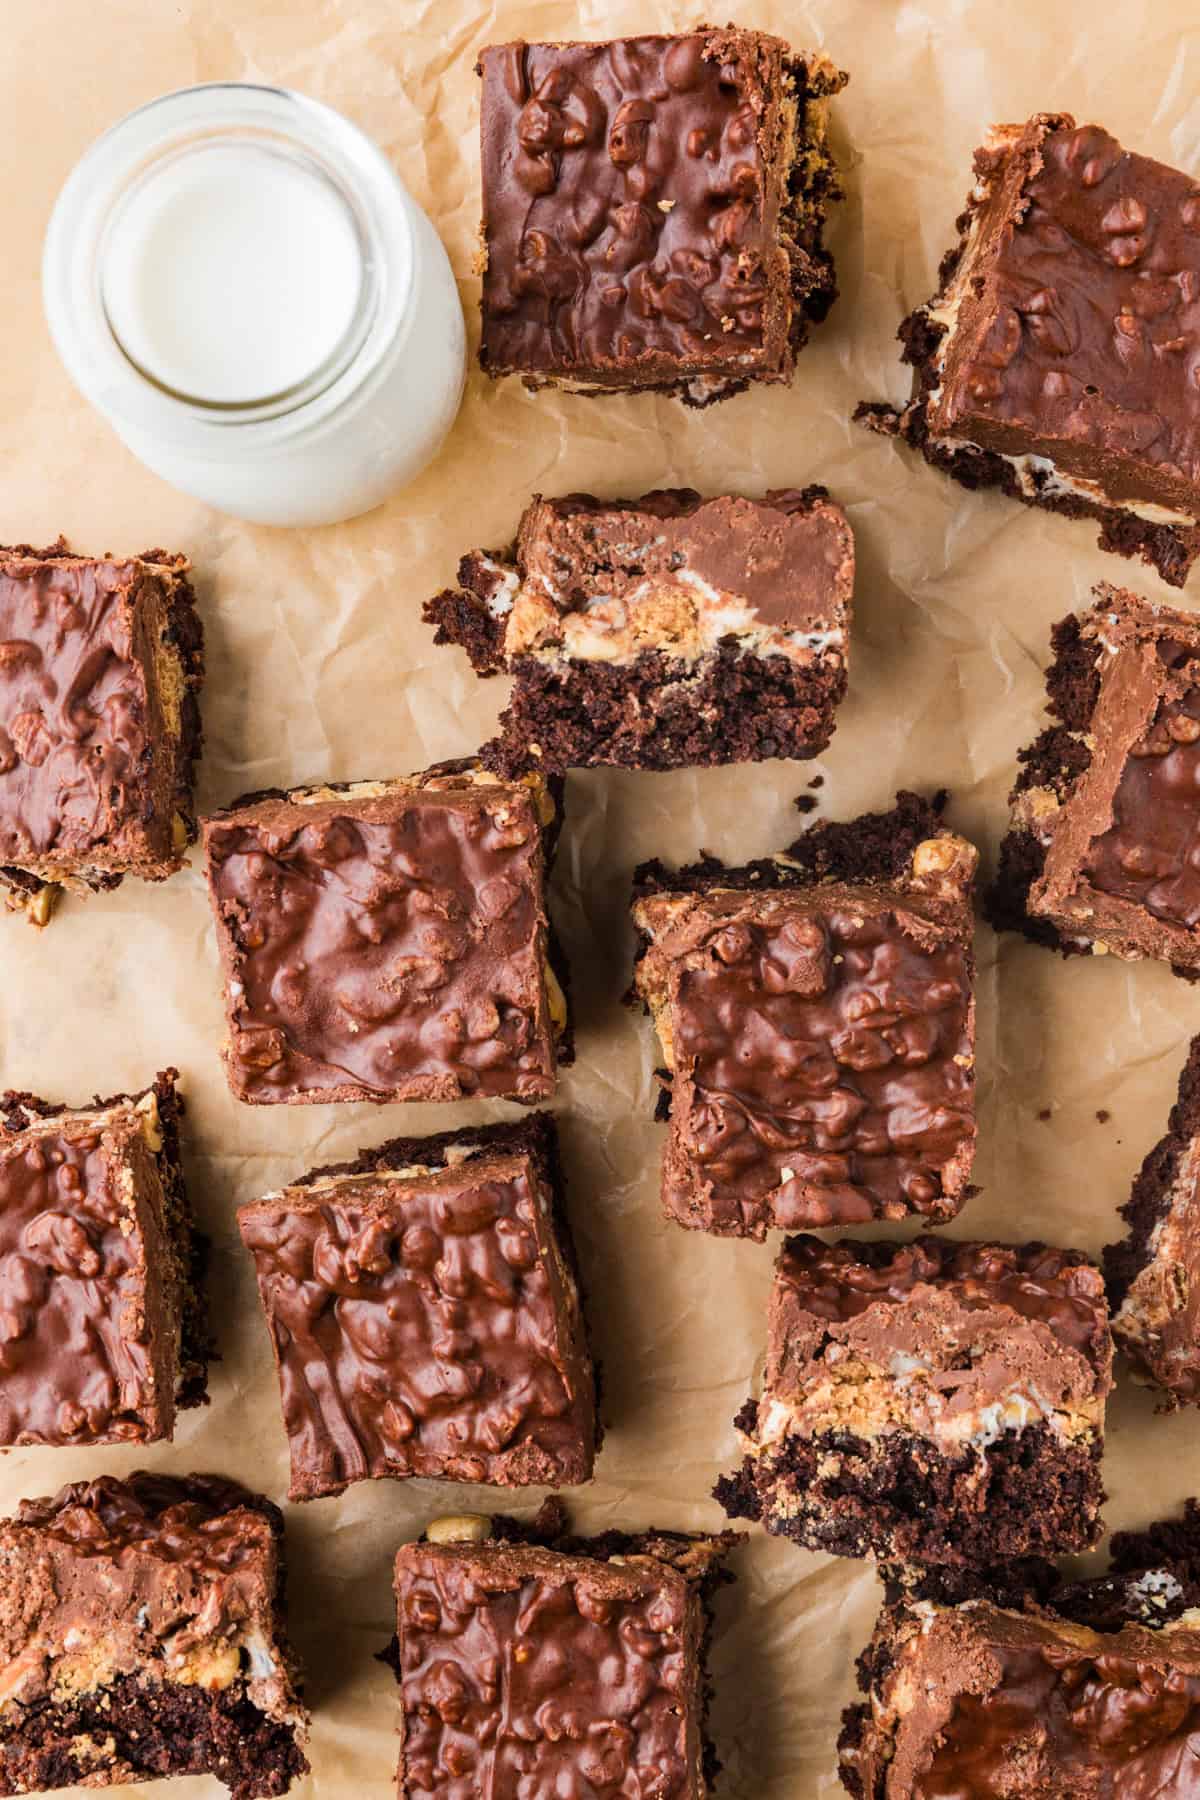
[(232, 273), (239, 281)]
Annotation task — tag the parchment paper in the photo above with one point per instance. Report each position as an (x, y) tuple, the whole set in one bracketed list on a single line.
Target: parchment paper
[(319, 667)]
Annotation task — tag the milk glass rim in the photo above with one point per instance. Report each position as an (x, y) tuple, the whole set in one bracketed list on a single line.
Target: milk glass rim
[(162, 129)]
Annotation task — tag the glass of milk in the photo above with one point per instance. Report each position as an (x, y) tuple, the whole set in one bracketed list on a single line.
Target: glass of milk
[(239, 281)]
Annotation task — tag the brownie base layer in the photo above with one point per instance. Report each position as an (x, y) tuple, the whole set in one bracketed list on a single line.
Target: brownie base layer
[(661, 712), (900, 1498), (877, 847), (1170, 549), (128, 1729)]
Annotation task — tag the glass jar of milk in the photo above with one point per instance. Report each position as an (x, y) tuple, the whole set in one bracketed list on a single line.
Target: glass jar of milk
[(239, 281)]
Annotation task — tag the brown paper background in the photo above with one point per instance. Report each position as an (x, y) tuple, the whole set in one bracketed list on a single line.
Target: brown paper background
[(319, 667)]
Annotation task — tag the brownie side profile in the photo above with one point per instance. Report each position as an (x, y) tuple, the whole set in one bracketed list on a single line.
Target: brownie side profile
[(654, 211), (1052, 362), (389, 940), (101, 1271), (425, 1315), (101, 663), (659, 633), (142, 1634), (975, 1699), (816, 1014), (1104, 834), (574, 1666), (932, 1402), (1153, 1273)]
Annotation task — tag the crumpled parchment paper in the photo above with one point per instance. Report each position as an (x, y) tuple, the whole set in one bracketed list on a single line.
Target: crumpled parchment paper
[(319, 666)]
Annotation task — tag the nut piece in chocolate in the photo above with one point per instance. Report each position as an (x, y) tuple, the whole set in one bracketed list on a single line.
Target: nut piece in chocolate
[(425, 1314), (101, 662), (654, 210), (1153, 1273), (575, 1670), (932, 1402), (388, 940), (104, 1331), (1056, 361), (142, 1634), (660, 633), (974, 1699), (1103, 849), (816, 1016)]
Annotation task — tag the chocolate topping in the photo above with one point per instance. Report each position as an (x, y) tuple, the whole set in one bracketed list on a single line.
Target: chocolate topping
[(823, 1061), (99, 663), (1113, 830), (525, 1670), (979, 1701), (425, 1324), (89, 1290), (1082, 318), (389, 943), (837, 1283), (639, 220)]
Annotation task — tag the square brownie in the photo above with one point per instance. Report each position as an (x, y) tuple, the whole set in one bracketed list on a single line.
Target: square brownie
[(425, 1314), (816, 1015), (388, 940), (104, 1325), (654, 210), (660, 633), (1056, 359), (143, 1634), (929, 1402), (1103, 849), (976, 1699), (578, 1669), (1153, 1273), (101, 661)]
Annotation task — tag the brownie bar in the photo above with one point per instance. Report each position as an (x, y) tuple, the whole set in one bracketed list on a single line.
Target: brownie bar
[(1055, 360), (976, 1699), (101, 662), (142, 1634), (816, 1014), (1101, 852), (388, 940), (1153, 1273), (653, 211), (929, 1402), (105, 1327), (660, 633), (425, 1316), (574, 1669)]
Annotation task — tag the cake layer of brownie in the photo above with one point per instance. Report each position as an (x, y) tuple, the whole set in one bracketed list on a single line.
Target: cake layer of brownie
[(389, 940), (1153, 1273), (979, 1700), (577, 1668), (101, 1271), (1102, 848), (929, 1402), (815, 1011), (654, 211), (425, 1314), (663, 632), (142, 1634), (1054, 360), (101, 662)]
